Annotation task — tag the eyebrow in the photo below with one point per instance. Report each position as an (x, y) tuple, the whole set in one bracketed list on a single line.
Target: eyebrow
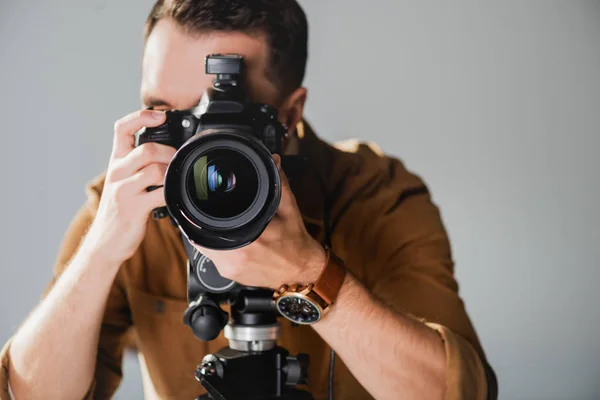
[(152, 102)]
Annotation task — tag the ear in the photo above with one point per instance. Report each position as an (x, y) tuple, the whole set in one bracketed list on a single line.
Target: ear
[(292, 109)]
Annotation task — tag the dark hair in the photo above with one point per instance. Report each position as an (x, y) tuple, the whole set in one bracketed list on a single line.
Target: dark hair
[(283, 23)]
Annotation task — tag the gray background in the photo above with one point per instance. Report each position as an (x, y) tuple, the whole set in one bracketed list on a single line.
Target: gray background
[(496, 106)]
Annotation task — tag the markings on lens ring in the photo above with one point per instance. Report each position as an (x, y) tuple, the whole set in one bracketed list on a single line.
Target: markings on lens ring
[(201, 264)]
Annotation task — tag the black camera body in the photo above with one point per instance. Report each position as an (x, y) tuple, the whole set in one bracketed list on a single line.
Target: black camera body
[(181, 126), (218, 110), (222, 187)]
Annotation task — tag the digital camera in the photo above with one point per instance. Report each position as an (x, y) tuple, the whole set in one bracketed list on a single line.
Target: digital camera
[(222, 187)]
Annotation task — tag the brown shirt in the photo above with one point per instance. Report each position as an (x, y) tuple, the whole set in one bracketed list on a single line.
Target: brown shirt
[(383, 225)]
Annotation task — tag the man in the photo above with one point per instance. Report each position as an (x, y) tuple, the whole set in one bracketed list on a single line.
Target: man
[(397, 324)]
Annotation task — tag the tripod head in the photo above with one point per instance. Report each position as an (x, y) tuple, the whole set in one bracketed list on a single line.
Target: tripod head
[(253, 367)]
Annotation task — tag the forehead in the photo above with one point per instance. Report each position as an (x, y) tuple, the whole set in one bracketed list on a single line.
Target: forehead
[(173, 64)]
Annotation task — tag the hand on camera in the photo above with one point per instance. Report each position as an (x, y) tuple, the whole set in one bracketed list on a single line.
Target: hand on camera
[(285, 253), (125, 205)]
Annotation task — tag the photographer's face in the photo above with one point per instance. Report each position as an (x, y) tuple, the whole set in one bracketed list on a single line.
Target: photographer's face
[(173, 74)]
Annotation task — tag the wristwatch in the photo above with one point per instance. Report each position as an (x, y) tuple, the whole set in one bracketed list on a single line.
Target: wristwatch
[(307, 304)]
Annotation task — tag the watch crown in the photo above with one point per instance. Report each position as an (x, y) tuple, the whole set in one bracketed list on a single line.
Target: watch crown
[(277, 294), (283, 288)]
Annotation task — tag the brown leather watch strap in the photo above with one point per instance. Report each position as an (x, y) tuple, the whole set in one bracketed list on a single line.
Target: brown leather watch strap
[(332, 277)]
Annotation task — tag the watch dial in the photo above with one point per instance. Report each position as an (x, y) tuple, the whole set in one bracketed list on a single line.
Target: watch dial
[(298, 310)]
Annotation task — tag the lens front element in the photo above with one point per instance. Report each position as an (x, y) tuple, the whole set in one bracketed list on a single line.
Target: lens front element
[(219, 180), (223, 183)]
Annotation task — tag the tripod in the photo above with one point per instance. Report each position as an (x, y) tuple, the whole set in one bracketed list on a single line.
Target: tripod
[(253, 367)]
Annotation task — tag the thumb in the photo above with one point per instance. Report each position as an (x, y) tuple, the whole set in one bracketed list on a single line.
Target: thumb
[(282, 176), (287, 205)]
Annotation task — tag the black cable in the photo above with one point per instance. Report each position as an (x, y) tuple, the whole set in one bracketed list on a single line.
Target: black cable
[(327, 237), (331, 366)]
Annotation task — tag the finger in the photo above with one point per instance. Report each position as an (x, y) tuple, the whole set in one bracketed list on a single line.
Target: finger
[(139, 158), (273, 231), (277, 159), (287, 204), (151, 175), (126, 127), (154, 199)]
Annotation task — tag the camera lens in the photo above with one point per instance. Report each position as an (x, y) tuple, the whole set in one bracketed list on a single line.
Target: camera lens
[(222, 188), (223, 183)]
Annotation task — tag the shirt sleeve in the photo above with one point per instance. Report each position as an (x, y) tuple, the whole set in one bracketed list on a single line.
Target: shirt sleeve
[(116, 319), (399, 248)]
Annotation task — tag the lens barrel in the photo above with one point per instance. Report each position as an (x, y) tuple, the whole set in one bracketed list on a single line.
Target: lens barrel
[(222, 188)]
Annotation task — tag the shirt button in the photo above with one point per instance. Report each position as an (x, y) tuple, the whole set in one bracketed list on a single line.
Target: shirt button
[(159, 306)]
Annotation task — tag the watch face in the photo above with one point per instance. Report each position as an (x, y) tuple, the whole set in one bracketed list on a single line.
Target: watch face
[(298, 310)]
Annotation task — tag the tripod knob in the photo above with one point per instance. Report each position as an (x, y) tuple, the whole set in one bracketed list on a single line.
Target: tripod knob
[(296, 370), (206, 319)]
